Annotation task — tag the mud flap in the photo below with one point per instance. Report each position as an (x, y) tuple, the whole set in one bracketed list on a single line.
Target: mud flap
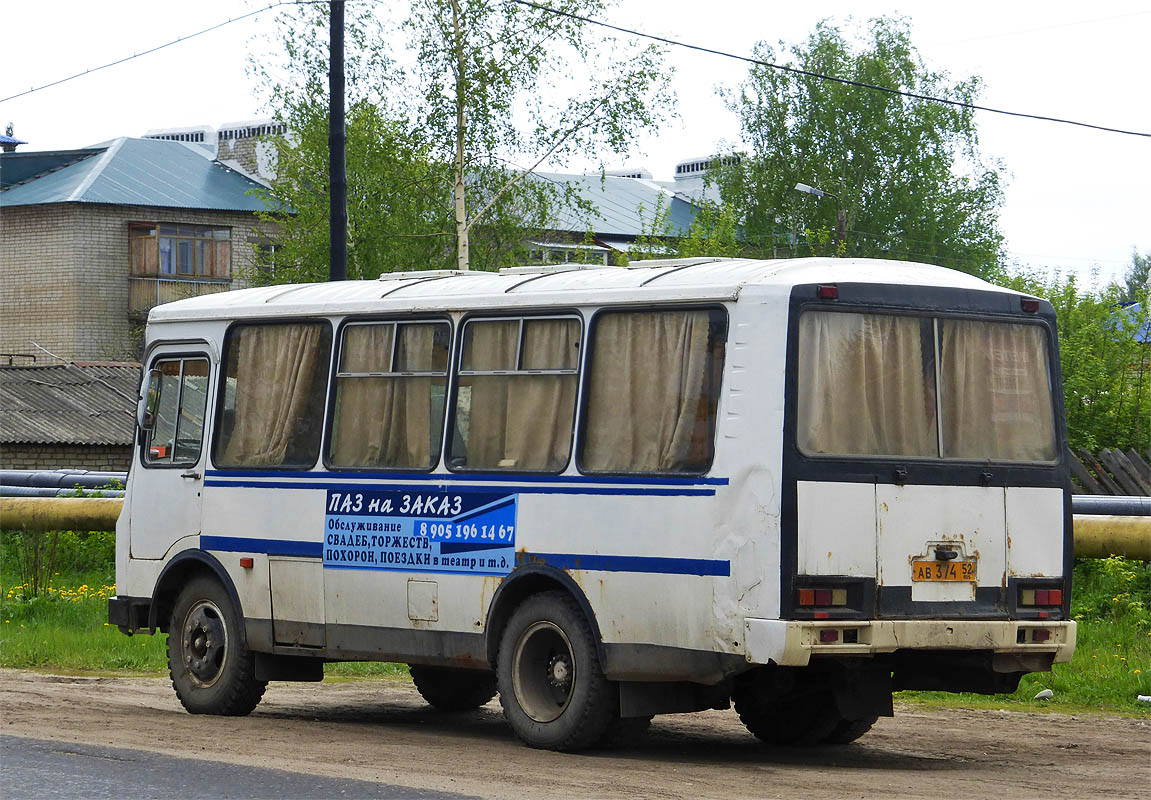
[(864, 691)]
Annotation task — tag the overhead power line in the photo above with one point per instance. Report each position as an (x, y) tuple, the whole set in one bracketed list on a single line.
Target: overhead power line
[(845, 81), (162, 46)]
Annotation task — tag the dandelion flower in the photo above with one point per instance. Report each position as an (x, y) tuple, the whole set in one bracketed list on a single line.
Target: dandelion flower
[(1138, 671)]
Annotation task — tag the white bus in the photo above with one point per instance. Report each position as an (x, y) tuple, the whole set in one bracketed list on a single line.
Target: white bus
[(607, 493)]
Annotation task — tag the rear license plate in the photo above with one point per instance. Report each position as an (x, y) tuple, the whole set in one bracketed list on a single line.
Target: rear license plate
[(943, 570)]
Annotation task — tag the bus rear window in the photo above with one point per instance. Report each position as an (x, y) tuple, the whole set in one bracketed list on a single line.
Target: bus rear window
[(923, 387), (996, 391), (866, 385)]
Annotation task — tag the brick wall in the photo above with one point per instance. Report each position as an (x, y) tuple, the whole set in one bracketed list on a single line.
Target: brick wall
[(64, 275), (107, 458)]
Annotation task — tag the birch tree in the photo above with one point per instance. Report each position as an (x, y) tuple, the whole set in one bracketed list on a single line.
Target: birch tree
[(506, 88)]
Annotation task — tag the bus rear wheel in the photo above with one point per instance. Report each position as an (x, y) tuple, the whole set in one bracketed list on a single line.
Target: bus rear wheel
[(787, 710), (212, 670), (552, 687), (453, 689), (848, 730)]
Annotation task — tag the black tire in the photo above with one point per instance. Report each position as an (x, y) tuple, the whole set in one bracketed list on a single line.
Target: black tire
[(803, 716), (454, 689), (624, 731), (848, 730), (552, 687), (212, 670)]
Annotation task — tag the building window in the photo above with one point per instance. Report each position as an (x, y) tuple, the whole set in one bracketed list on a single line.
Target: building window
[(268, 260), (181, 251)]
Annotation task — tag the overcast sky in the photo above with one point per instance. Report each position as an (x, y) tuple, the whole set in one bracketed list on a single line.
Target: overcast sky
[(1075, 198)]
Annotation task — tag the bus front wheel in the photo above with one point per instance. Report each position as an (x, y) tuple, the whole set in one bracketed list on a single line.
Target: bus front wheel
[(212, 670), (552, 687)]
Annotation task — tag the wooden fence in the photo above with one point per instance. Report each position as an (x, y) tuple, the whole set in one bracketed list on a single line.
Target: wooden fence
[(1112, 472)]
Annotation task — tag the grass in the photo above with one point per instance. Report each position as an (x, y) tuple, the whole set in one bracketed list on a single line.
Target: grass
[(1111, 600), (67, 630)]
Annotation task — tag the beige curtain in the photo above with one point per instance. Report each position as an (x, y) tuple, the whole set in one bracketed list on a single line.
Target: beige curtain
[(996, 392), (865, 387), (520, 421), (388, 421), (275, 370), (646, 392)]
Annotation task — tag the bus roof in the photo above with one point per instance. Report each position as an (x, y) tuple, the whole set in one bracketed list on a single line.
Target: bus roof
[(671, 280)]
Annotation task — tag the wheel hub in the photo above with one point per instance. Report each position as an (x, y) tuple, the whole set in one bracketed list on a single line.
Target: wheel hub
[(543, 671), (204, 638), (559, 672)]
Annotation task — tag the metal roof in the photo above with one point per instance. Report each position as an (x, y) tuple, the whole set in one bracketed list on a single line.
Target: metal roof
[(618, 202), (143, 172), (674, 280), (69, 404)]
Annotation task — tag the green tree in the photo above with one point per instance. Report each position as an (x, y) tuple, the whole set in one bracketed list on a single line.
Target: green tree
[(397, 196), (1106, 368), (907, 172), (428, 143), (1135, 281)]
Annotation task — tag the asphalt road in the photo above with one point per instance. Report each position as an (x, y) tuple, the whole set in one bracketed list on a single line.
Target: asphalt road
[(38, 768)]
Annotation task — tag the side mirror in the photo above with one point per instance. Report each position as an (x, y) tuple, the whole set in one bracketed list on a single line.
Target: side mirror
[(150, 404)]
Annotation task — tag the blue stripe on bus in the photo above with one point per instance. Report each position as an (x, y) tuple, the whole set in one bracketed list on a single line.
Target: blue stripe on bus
[(433, 477), (351, 487), (600, 563), (654, 564), (273, 547)]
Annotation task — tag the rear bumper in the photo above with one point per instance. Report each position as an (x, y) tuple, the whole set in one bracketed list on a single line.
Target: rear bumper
[(793, 643)]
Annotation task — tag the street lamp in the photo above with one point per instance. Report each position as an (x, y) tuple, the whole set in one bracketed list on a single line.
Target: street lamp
[(840, 216)]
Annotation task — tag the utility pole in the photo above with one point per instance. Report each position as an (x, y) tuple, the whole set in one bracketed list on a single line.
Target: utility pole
[(840, 213), (337, 159)]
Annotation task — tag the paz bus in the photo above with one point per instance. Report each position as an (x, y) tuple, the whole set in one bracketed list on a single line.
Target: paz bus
[(607, 493)]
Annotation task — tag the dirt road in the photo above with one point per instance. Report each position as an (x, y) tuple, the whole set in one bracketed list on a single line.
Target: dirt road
[(382, 731)]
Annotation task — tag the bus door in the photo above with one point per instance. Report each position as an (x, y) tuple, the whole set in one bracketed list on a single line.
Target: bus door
[(169, 476)]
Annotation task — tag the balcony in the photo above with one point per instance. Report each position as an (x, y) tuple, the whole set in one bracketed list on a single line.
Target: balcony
[(145, 293)]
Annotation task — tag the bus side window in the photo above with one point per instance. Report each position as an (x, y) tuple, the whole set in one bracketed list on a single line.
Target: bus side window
[(653, 391), (390, 386), (515, 404), (179, 426), (275, 382)]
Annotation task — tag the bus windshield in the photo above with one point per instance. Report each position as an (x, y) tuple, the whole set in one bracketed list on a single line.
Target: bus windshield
[(926, 387)]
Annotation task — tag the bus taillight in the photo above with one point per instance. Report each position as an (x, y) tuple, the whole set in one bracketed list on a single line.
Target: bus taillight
[(822, 597)]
